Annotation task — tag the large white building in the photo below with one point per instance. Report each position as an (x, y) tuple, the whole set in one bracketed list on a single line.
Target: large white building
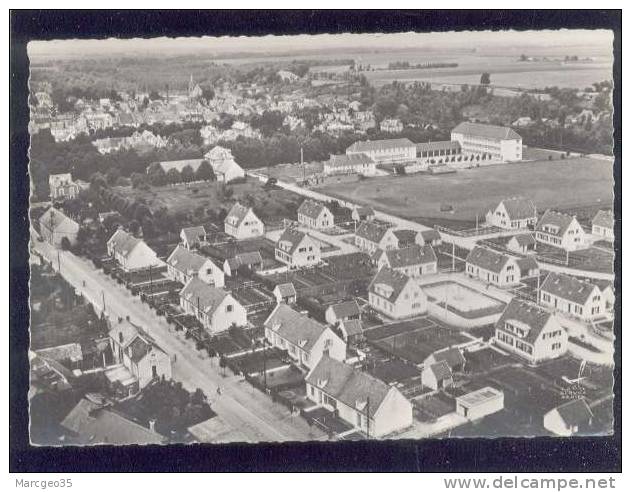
[(350, 164), (385, 151), (497, 143)]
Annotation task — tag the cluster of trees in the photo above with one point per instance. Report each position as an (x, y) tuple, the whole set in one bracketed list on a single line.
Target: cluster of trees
[(157, 177)]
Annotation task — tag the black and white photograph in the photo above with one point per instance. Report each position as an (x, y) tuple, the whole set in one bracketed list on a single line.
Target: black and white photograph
[(358, 236)]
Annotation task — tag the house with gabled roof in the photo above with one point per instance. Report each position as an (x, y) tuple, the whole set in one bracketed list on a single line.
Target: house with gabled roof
[(342, 311), (362, 213), (437, 375), (138, 353), (450, 355), (513, 213), (54, 226), (530, 332), (351, 330), (385, 151), (193, 237), (216, 309), (130, 252), (224, 166), (571, 296), (246, 261), (570, 418), (603, 225), (242, 223), (500, 143), (371, 236), (297, 249), (522, 243), (93, 422), (360, 399), (183, 265), (62, 187), (492, 267), (285, 293), (304, 339), (396, 295), (413, 261), (560, 230), (315, 215)]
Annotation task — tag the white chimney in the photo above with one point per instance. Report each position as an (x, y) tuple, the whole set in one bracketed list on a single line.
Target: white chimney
[(152, 425)]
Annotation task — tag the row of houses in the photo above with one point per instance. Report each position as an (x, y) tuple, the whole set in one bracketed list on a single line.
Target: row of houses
[(554, 228), (372, 236)]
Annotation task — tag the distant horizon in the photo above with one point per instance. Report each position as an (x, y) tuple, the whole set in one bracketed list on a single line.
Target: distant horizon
[(272, 44)]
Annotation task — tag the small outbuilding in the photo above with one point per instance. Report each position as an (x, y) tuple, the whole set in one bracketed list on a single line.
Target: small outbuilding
[(480, 403)]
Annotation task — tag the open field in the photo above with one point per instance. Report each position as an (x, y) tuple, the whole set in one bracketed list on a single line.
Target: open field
[(559, 184), (270, 205)]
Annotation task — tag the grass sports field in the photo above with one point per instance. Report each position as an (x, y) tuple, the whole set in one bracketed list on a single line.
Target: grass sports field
[(568, 183)]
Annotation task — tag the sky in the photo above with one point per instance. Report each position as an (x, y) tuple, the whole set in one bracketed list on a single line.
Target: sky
[(227, 45)]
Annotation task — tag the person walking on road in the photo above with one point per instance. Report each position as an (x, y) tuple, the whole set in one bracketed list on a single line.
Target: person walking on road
[(218, 391)]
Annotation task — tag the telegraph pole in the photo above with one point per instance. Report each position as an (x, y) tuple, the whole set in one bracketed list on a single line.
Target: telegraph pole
[(150, 282), (265, 363), (368, 417), (103, 297), (453, 256)]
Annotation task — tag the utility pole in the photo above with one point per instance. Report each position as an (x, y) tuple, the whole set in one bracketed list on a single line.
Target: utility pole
[(476, 223), (103, 297), (368, 417), (538, 287), (453, 256), (265, 363), (59, 261), (302, 164), (150, 282)]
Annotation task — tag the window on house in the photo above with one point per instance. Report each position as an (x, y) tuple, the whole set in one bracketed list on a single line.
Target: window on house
[(229, 308)]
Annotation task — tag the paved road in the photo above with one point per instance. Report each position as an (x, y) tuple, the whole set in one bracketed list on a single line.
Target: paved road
[(240, 406)]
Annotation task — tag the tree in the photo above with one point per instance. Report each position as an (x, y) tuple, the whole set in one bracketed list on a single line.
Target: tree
[(173, 176), (223, 364), (208, 93), (205, 172), (485, 79), (156, 175), (187, 174)]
